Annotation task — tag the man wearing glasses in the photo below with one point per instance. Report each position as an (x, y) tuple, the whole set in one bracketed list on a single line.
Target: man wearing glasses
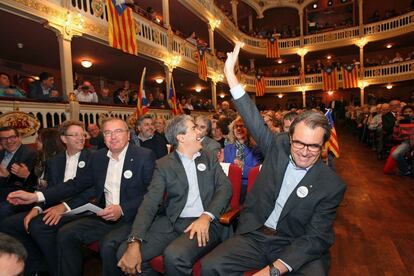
[(13, 157), (116, 179), (286, 223)]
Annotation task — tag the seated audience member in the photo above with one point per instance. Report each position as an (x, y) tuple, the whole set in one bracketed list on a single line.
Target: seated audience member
[(117, 179), (6, 90), (227, 111), (203, 124), (160, 101), (12, 256), (272, 123), (286, 224), (86, 93), (148, 138), (397, 58), (208, 105), (388, 122), (41, 89), (48, 144), (188, 105), (287, 120), (404, 133), (192, 38), (194, 192), (104, 97), (62, 166), (241, 151), (159, 124), (96, 139), (217, 134), (133, 98), (14, 158), (120, 96)]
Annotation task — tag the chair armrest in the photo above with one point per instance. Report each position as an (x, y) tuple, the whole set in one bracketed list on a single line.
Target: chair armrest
[(228, 217)]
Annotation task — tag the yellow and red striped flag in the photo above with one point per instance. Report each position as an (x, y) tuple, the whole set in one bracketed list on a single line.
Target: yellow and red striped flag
[(260, 86), (202, 62), (142, 102), (272, 49), (329, 79), (121, 27), (332, 145), (349, 76), (172, 99)]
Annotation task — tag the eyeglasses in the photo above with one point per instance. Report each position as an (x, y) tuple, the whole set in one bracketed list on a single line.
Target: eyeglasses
[(10, 138), (116, 132), (311, 147), (77, 135)]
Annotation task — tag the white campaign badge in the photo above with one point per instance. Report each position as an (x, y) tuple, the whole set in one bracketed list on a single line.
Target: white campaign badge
[(201, 167), (127, 174), (302, 191), (81, 164)]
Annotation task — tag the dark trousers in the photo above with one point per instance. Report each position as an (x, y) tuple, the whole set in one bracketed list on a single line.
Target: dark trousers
[(72, 236), (253, 251), (180, 253)]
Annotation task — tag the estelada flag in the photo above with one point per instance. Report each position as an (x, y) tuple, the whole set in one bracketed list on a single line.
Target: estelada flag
[(260, 86), (121, 27), (272, 49), (172, 99), (332, 145), (202, 62), (142, 102), (329, 79), (349, 76)]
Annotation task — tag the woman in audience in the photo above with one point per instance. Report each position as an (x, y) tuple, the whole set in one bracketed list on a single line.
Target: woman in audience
[(241, 151)]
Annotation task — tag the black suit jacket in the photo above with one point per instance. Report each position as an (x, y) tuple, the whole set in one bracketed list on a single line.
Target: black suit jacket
[(139, 161), (305, 226), (22, 155), (388, 122), (170, 179)]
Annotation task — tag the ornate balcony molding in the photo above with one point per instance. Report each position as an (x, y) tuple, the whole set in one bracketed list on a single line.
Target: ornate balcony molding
[(373, 75)]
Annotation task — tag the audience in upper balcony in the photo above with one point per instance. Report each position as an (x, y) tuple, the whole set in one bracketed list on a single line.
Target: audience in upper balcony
[(397, 58), (160, 101), (7, 90), (120, 96), (42, 88), (192, 38), (86, 93), (104, 97)]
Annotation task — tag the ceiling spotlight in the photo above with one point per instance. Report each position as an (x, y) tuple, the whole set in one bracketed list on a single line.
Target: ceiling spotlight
[(280, 96), (389, 46), (159, 80), (315, 6), (330, 3), (343, 1), (222, 96), (86, 63), (20, 45), (389, 86), (330, 92), (280, 61), (328, 57), (198, 89)]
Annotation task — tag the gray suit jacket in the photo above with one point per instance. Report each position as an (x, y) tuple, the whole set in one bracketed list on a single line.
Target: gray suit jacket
[(211, 145), (305, 227), (169, 183)]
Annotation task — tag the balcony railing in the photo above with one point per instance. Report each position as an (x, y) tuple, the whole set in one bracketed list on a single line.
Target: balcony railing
[(373, 75)]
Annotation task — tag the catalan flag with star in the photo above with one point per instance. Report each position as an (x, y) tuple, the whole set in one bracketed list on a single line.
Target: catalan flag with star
[(202, 62), (349, 76), (272, 49), (172, 100), (332, 145), (260, 85), (121, 27), (329, 78), (142, 102)]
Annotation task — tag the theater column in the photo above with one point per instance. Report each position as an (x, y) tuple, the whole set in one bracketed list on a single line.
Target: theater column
[(212, 24), (214, 94), (301, 26), (234, 4), (361, 82), (166, 13)]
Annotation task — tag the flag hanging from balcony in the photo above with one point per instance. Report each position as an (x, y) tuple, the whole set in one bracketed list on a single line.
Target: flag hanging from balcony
[(121, 27), (329, 79), (260, 86), (202, 62), (350, 76), (142, 102), (272, 49), (172, 99), (332, 145)]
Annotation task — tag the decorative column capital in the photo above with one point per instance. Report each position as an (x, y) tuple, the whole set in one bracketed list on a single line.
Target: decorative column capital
[(172, 61), (361, 42), (214, 23), (302, 52)]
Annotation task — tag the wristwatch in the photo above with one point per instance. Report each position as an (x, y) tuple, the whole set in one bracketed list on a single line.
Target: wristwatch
[(132, 239), (273, 271)]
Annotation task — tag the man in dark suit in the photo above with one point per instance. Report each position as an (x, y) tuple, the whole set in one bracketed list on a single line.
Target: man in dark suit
[(13, 157), (117, 179), (388, 122), (286, 223), (204, 127), (43, 227), (43, 88), (194, 192)]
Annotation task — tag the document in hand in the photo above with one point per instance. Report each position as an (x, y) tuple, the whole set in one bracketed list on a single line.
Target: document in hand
[(88, 207)]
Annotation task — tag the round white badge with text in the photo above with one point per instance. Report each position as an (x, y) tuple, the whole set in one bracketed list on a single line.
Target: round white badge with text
[(127, 174), (81, 164), (201, 167), (302, 191)]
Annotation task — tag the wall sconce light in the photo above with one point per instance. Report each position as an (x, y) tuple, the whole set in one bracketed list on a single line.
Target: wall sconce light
[(198, 89), (280, 61), (330, 92), (389, 86), (159, 80), (222, 96), (86, 63), (328, 57), (280, 96), (389, 46)]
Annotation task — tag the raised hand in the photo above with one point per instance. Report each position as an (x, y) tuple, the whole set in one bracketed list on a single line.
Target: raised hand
[(230, 64)]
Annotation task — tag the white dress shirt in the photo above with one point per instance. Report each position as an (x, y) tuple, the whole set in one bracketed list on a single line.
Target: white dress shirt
[(113, 178)]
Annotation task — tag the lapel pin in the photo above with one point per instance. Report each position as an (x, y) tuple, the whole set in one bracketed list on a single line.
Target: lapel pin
[(127, 174), (81, 164), (201, 167), (302, 192), (132, 159)]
